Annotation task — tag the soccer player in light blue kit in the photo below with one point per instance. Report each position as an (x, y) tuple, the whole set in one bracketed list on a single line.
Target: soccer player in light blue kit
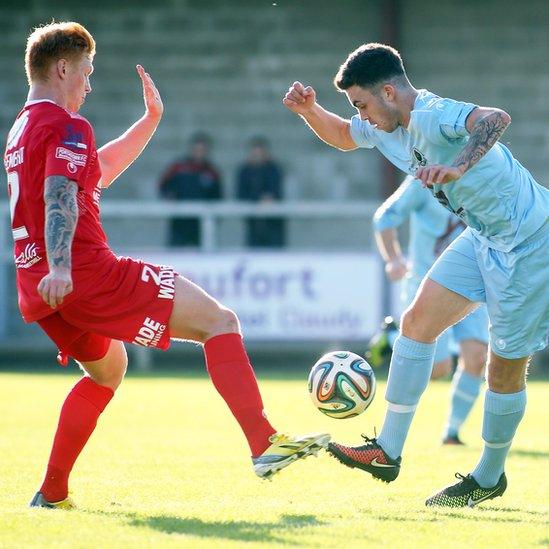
[(432, 229), (501, 259)]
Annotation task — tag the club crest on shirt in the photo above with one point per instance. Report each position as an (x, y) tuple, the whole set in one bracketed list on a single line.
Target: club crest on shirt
[(74, 139), (417, 160)]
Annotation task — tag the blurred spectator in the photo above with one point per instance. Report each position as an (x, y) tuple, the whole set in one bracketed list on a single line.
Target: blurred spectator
[(260, 180), (191, 178)]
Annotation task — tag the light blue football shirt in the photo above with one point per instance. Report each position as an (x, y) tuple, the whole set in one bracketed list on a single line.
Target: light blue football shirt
[(432, 227), (498, 198)]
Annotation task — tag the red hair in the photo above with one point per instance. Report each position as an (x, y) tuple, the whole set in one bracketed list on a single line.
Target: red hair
[(49, 43)]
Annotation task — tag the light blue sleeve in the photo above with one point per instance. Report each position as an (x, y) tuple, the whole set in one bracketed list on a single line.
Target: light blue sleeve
[(409, 197), (362, 132), (453, 116)]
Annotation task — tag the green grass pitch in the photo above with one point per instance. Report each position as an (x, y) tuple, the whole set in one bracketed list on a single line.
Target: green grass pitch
[(168, 467)]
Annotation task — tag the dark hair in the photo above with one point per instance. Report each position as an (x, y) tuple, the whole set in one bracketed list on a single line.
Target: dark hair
[(201, 138), (258, 141), (369, 65)]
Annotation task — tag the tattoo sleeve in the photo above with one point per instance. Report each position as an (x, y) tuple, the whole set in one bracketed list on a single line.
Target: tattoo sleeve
[(486, 131), (61, 217)]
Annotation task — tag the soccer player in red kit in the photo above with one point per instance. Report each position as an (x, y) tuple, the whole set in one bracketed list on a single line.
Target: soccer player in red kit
[(88, 300)]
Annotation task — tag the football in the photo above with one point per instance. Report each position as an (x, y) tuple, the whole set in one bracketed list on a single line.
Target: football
[(342, 384)]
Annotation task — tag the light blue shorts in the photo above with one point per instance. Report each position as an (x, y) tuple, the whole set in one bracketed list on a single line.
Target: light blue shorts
[(473, 326), (514, 285)]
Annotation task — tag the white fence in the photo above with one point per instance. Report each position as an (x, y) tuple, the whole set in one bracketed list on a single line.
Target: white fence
[(209, 214)]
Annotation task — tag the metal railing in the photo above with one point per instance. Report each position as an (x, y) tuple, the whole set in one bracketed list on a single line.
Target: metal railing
[(207, 212)]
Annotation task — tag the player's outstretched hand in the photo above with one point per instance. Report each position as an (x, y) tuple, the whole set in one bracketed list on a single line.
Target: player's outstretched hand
[(55, 286), (151, 96), (438, 173), (299, 98)]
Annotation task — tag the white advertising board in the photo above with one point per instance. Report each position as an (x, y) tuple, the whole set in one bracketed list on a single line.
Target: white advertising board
[(289, 296)]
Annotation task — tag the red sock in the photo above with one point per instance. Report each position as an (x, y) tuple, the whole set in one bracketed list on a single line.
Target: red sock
[(77, 421), (232, 375)]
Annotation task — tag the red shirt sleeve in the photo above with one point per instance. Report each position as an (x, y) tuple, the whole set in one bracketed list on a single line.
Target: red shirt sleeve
[(68, 147)]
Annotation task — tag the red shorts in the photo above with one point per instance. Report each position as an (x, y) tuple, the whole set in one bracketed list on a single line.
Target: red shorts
[(132, 301)]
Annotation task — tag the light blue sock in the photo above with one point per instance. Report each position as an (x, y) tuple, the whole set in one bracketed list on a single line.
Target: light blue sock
[(465, 390), (502, 415), (409, 374)]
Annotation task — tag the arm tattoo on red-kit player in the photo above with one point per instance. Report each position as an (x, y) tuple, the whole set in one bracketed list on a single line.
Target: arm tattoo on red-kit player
[(61, 218)]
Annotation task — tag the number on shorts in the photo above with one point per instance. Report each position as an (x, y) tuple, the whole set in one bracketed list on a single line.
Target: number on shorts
[(147, 273)]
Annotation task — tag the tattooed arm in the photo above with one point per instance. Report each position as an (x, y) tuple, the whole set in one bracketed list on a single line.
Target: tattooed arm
[(61, 218), (485, 127)]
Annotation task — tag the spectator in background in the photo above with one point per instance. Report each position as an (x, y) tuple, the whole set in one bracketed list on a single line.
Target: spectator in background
[(191, 178), (260, 180)]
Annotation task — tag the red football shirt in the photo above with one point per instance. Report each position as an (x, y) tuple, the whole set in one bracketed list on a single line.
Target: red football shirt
[(48, 140)]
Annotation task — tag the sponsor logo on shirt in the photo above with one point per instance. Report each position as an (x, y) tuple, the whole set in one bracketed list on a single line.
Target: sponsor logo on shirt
[(73, 158), (28, 257), (150, 333), (443, 200)]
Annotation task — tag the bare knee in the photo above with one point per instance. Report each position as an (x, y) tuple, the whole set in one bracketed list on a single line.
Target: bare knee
[(414, 326), (224, 321), (111, 369), (434, 309), (114, 377), (506, 375), (197, 316), (408, 322), (111, 376)]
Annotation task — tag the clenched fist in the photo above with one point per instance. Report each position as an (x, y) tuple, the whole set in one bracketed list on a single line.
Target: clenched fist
[(299, 98)]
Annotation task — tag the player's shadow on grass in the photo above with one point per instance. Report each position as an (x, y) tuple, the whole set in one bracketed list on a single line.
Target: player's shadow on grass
[(239, 530)]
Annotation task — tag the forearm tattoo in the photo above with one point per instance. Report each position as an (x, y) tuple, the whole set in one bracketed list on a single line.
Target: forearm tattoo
[(61, 217), (484, 134)]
